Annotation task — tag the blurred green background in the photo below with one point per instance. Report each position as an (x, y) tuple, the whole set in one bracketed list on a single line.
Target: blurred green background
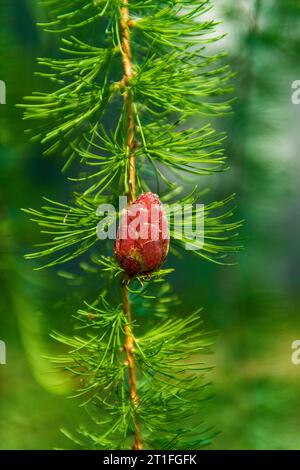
[(254, 306)]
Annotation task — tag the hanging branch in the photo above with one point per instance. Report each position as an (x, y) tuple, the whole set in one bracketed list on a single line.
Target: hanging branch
[(129, 344), (168, 76)]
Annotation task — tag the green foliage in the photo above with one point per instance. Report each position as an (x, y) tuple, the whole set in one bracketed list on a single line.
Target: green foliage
[(167, 355), (73, 229), (83, 118)]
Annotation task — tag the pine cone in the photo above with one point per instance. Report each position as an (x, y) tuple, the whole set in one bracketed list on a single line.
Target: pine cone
[(143, 239)]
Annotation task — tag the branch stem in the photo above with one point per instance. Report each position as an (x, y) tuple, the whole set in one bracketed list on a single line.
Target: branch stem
[(129, 348), (130, 127), (128, 74)]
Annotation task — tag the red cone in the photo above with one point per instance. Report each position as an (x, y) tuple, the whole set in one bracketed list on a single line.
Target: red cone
[(142, 242)]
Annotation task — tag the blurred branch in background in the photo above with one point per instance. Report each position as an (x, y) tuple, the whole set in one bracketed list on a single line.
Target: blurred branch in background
[(259, 303), (28, 380)]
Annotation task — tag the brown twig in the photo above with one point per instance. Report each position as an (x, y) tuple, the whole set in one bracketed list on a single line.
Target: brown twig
[(129, 344), (129, 348)]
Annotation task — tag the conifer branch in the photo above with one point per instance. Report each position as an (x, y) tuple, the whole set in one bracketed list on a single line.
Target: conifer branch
[(130, 124)]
